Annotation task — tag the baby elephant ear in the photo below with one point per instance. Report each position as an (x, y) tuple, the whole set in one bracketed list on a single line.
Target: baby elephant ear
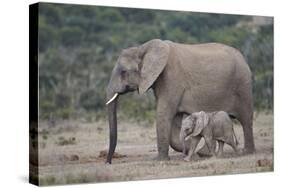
[(154, 55), (201, 121)]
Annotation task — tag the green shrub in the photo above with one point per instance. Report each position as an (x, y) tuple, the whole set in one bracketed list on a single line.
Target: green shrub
[(63, 141), (80, 44)]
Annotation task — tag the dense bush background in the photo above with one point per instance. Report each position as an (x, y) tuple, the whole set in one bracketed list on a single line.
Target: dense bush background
[(78, 46)]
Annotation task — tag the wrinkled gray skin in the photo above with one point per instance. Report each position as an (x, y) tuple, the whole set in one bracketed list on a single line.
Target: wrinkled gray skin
[(185, 79), (211, 126)]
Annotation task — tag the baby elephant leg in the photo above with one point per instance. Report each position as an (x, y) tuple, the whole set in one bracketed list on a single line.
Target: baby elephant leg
[(233, 145), (211, 145), (194, 142), (220, 152)]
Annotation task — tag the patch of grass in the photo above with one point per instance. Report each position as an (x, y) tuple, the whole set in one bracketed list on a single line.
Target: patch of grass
[(86, 178), (85, 163), (33, 179), (43, 145), (45, 137), (63, 141), (82, 178), (44, 134), (49, 180), (264, 169), (263, 165)]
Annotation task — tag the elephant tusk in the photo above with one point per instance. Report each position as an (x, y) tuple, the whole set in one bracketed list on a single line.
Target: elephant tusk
[(186, 138), (112, 99)]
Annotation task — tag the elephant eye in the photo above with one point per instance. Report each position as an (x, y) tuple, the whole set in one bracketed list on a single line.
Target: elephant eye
[(123, 73)]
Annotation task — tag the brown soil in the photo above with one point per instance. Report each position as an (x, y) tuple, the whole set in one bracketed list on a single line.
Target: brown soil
[(84, 160)]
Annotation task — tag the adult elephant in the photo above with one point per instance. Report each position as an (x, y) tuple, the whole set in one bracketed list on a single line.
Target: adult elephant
[(185, 79)]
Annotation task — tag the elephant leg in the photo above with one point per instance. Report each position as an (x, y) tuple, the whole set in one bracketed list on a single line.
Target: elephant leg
[(163, 128), (235, 148), (220, 152), (194, 142), (204, 151), (249, 146), (211, 144), (233, 144), (245, 117)]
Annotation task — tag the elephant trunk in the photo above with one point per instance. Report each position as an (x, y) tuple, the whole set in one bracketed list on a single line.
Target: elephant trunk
[(112, 120)]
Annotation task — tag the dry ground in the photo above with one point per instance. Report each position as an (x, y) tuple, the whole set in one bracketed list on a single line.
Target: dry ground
[(72, 152)]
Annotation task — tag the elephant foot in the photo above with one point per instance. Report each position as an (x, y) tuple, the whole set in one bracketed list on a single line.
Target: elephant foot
[(187, 159), (247, 151), (239, 152), (220, 155), (204, 155), (161, 158), (204, 152)]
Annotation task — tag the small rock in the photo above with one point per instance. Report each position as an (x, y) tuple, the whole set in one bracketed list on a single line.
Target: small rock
[(103, 154), (64, 158), (74, 158), (263, 162)]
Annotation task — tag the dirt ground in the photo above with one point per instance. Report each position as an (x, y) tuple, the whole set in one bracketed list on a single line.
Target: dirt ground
[(74, 152)]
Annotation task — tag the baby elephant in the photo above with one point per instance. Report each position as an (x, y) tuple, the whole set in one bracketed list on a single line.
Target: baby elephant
[(215, 126)]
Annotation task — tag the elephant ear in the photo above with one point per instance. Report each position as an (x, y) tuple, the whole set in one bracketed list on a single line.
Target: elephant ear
[(154, 55), (201, 121)]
